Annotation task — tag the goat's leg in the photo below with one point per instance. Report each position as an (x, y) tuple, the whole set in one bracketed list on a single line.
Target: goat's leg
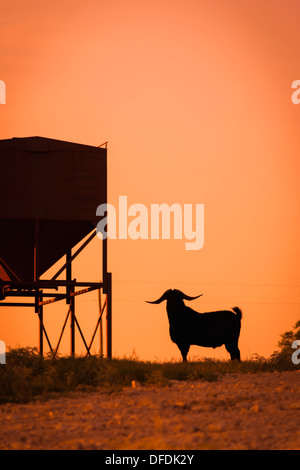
[(233, 351), (237, 354), (184, 349)]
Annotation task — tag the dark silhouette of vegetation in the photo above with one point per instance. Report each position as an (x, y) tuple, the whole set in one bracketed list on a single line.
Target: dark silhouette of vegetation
[(26, 376), (282, 356)]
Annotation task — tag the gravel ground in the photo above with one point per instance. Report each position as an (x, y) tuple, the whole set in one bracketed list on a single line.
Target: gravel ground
[(253, 411)]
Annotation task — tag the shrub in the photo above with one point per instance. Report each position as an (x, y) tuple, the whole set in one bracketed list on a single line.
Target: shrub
[(26, 375), (282, 358)]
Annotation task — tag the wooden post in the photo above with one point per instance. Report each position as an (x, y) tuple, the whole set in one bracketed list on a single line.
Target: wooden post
[(104, 266), (68, 274), (72, 322), (109, 317), (71, 300), (41, 329), (100, 323), (38, 308)]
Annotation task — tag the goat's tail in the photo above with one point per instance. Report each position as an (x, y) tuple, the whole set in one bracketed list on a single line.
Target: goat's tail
[(238, 312)]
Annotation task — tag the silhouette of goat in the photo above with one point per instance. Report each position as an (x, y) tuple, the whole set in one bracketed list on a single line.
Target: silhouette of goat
[(211, 329)]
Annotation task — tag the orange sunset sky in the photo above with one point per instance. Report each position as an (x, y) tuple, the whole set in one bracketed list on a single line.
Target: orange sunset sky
[(194, 99)]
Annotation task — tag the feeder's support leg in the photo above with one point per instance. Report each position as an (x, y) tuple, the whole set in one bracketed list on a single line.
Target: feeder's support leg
[(41, 330), (72, 323), (109, 317)]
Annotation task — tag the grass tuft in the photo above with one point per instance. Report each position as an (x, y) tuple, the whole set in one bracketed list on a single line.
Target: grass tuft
[(26, 375)]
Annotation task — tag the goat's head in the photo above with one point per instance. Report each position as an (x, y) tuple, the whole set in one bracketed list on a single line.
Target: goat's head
[(173, 295)]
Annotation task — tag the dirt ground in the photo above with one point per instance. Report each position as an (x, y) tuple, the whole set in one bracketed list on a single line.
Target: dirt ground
[(255, 411)]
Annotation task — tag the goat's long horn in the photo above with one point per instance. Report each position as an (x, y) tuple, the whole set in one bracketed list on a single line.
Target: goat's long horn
[(158, 301), (187, 297)]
